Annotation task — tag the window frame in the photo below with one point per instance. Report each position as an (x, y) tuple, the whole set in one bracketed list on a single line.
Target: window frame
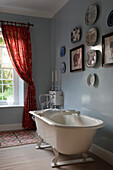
[(18, 86)]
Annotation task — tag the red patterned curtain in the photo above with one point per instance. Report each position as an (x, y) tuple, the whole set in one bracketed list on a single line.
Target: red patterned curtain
[(18, 43)]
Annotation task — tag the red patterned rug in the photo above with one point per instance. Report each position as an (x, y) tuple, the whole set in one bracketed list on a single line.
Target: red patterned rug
[(16, 138)]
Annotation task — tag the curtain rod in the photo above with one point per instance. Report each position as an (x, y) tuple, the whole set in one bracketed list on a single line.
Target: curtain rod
[(11, 22)]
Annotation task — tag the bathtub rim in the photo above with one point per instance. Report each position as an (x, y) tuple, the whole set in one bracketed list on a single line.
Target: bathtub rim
[(52, 123)]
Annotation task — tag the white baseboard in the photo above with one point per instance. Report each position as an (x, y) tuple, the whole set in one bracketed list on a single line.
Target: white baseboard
[(102, 153), (7, 127)]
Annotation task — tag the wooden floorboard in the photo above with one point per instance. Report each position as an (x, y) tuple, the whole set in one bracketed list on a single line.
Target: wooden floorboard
[(28, 158)]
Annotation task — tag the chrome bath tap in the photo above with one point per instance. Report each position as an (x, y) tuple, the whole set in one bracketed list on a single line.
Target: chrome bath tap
[(45, 101)]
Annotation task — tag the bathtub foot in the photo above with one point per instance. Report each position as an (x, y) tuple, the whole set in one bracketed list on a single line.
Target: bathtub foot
[(55, 162), (84, 156), (39, 146), (40, 140), (55, 159)]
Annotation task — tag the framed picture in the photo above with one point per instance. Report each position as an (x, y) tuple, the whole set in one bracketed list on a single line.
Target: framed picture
[(107, 50), (77, 58)]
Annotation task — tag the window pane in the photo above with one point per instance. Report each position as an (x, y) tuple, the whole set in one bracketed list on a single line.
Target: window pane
[(7, 73), (7, 91), (11, 86), (0, 73), (5, 57), (7, 81), (0, 55), (0, 92), (2, 43), (6, 65)]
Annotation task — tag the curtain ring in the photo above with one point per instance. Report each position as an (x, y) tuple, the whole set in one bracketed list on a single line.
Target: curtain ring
[(28, 24), (2, 22)]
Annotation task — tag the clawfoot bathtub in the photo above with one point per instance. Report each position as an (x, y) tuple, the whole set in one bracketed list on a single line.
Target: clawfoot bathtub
[(68, 132)]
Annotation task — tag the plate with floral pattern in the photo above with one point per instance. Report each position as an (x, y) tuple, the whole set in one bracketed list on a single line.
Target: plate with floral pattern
[(91, 80), (91, 36), (91, 14), (91, 58)]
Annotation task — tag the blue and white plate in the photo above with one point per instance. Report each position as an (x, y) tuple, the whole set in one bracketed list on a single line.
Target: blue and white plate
[(63, 67), (75, 35), (62, 51), (110, 19)]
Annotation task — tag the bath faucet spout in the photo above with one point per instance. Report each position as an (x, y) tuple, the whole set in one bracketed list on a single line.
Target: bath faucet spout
[(78, 112), (74, 112)]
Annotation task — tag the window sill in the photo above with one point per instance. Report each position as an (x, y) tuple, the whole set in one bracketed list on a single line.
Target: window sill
[(11, 106)]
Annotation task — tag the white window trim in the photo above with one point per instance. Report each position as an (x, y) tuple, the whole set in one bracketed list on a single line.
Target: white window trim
[(18, 90)]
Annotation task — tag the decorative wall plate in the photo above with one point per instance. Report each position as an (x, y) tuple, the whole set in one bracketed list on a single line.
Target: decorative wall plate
[(75, 35), (91, 58), (91, 36), (110, 19), (62, 51), (91, 15), (63, 67), (91, 80)]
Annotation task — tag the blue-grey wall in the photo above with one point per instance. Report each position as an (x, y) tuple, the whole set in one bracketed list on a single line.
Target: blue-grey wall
[(47, 37), (95, 101), (41, 61)]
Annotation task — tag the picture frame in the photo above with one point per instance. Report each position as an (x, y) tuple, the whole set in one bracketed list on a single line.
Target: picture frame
[(107, 50), (77, 58)]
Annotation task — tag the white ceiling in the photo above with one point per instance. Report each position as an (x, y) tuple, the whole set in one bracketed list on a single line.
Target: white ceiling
[(38, 8)]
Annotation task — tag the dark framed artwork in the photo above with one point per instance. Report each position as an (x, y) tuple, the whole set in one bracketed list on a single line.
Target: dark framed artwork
[(107, 50), (77, 58)]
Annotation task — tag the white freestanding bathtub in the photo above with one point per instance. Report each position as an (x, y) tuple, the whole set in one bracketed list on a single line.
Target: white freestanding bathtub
[(68, 132)]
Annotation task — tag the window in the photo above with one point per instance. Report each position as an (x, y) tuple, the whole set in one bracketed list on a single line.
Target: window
[(11, 85)]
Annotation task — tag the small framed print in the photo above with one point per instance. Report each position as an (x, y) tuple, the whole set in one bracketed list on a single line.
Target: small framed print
[(107, 50), (77, 58)]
